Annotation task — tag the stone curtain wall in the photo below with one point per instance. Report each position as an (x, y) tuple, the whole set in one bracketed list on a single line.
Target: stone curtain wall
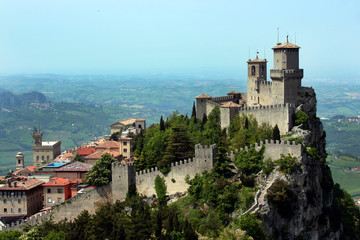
[(274, 149), (124, 175)]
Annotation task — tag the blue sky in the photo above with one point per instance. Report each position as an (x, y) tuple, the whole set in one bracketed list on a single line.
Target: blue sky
[(165, 36)]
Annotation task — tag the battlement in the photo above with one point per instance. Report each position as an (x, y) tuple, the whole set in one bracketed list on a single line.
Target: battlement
[(263, 82), (286, 105), (274, 149), (32, 220), (210, 101), (223, 98)]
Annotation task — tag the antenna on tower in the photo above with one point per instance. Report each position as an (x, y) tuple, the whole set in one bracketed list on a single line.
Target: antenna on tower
[(257, 54), (264, 53), (277, 35), (295, 38), (249, 53)]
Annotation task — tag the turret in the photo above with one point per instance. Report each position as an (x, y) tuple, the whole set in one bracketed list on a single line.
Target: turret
[(20, 163), (256, 74)]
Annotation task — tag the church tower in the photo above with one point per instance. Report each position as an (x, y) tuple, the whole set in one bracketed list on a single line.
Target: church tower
[(286, 75), (20, 163), (37, 136), (256, 76)]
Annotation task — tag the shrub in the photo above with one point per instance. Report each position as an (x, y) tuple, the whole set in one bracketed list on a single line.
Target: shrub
[(268, 166), (252, 226), (282, 198), (288, 164), (301, 117)]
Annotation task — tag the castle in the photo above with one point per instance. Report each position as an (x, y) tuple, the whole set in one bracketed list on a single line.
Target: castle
[(272, 102)]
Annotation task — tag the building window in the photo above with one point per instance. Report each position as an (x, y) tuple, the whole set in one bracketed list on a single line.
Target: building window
[(19, 210), (125, 150), (19, 200), (42, 158), (139, 126), (5, 201), (49, 190), (12, 201), (48, 157), (37, 158), (60, 190), (12, 210), (125, 143), (5, 210), (59, 200), (253, 70), (19, 161), (49, 200)]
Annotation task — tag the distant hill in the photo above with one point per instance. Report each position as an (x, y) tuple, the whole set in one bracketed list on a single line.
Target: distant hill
[(9, 99)]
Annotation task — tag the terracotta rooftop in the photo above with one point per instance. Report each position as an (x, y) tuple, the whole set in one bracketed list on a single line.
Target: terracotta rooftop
[(125, 138), (97, 155), (233, 92), (109, 144), (128, 121), (257, 60), (285, 45), (64, 156), (86, 151), (229, 105), (203, 96), (75, 167), (22, 185), (61, 182), (27, 169)]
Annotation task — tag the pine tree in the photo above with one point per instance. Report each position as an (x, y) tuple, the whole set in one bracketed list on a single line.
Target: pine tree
[(193, 113), (276, 133), (162, 124), (204, 120), (179, 147), (246, 123)]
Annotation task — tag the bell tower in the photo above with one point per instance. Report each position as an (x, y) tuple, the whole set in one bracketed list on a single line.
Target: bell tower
[(37, 136), (256, 75), (286, 75), (20, 163)]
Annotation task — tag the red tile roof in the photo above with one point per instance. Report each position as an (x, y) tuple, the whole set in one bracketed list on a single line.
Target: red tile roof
[(29, 169), (109, 144), (86, 151), (61, 182), (229, 105), (233, 93), (140, 119), (285, 45), (97, 155), (22, 185), (125, 138), (257, 60), (64, 156), (203, 96), (75, 167)]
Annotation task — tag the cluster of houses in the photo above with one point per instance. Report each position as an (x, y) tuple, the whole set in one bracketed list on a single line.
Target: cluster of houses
[(55, 177)]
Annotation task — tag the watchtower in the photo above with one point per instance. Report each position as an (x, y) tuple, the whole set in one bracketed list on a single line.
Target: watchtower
[(37, 136), (286, 75), (256, 75), (20, 163)]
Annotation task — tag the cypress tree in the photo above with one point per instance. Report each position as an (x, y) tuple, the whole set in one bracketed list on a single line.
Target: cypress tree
[(276, 133), (162, 124), (204, 120), (193, 113), (246, 123)]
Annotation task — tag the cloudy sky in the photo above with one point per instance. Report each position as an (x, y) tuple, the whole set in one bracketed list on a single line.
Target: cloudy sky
[(169, 36)]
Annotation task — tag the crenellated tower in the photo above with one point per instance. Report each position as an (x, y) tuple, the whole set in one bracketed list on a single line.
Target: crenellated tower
[(286, 75), (256, 77)]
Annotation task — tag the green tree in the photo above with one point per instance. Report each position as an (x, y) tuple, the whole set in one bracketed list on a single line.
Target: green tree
[(179, 147), (160, 188), (252, 226), (77, 158), (114, 136), (301, 117), (193, 113), (162, 124), (100, 173), (288, 164), (10, 235), (276, 133), (249, 162)]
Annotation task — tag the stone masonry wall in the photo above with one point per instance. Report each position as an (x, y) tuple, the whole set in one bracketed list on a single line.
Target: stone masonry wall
[(124, 175)]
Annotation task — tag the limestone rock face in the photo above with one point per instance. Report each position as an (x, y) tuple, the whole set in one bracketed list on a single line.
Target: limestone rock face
[(313, 185)]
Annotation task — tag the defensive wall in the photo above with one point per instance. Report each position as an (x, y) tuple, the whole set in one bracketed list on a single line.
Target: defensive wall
[(280, 114), (123, 175), (29, 221), (274, 149)]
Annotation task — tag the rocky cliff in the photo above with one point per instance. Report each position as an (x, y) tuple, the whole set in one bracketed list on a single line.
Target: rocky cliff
[(300, 210)]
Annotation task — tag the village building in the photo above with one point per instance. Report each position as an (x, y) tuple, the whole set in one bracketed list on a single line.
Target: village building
[(85, 151), (25, 172), (138, 124), (92, 158), (20, 197), (44, 152), (75, 170), (126, 147), (58, 190)]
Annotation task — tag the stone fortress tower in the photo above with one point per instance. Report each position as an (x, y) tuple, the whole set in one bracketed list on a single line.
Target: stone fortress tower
[(20, 161), (273, 101), (44, 152)]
